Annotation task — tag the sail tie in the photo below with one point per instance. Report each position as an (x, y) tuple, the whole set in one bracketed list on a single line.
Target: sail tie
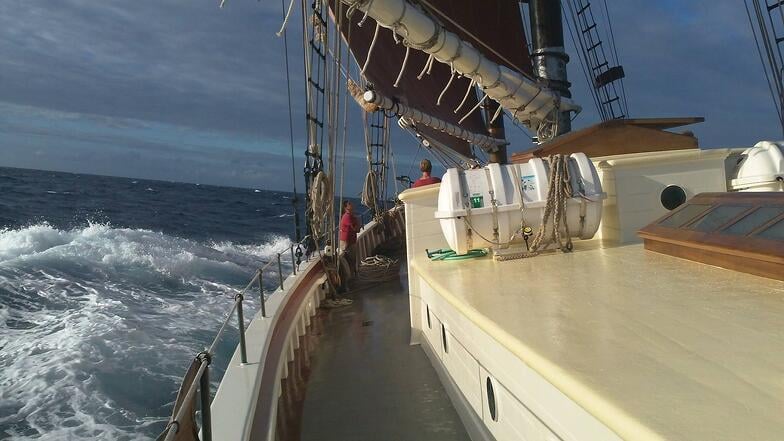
[(478, 103), (465, 97), (367, 11), (370, 49), (285, 19), (426, 69), (402, 68), (443, 92), (497, 113)]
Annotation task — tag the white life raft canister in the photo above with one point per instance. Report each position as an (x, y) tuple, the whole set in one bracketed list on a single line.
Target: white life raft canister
[(485, 207)]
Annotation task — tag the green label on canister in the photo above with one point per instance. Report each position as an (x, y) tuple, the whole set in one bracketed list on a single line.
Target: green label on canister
[(477, 201)]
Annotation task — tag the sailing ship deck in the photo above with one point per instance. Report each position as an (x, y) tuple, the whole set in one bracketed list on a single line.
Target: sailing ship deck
[(653, 346), (366, 380)]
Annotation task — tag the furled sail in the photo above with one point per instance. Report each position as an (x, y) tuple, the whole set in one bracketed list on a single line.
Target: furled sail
[(493, 26)]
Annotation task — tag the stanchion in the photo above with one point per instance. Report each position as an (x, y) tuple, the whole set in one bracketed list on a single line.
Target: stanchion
[(241, 325), (261, 295)]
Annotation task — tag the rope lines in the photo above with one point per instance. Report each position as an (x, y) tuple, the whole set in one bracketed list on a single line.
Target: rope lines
[(554, 213), (770, 31), (294, 199), (603, 73), (314, 37)]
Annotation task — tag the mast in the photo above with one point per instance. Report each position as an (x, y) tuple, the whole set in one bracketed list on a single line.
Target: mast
[(495, 129), (548, 54)]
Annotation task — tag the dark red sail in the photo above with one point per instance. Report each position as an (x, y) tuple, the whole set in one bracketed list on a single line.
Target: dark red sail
[(492, 26)]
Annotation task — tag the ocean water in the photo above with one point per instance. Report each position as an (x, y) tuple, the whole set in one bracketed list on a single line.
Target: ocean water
[(110, 286)]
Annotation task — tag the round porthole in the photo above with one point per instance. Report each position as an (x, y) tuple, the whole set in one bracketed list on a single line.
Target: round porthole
[(491, 400), (672, 197)]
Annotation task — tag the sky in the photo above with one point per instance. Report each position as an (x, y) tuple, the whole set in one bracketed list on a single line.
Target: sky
[(182, 90)]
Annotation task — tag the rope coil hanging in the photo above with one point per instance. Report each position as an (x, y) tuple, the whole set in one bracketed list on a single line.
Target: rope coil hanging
[(554, 214)]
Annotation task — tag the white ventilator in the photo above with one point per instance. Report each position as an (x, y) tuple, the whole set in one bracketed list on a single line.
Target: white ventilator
[(489, 207), (761, 168)]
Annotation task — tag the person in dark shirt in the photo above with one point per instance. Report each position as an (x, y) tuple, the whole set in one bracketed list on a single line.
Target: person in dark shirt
[(426, 167)]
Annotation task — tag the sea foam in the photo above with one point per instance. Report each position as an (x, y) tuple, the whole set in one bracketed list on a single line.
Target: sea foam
[(98, 324)]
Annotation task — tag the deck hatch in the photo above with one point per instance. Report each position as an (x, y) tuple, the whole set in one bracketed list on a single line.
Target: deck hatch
[(754, 220), (741, 231)]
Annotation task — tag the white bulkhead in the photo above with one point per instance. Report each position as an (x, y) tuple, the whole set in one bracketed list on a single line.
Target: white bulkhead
[(761, 168), (488, 207)]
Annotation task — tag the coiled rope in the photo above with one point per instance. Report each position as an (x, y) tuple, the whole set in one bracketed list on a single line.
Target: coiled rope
[(558, 192), (320, 198), (370, 192), (378, 268)]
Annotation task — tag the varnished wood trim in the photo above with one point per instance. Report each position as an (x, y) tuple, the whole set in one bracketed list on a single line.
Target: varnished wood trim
[(749, 265)]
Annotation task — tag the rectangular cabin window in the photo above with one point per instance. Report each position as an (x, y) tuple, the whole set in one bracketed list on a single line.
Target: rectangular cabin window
[(740, 231), (684, 215), (718, 217), (775, 231), (754, 220)]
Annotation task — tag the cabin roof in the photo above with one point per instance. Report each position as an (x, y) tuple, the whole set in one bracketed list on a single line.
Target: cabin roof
[(619, 136)]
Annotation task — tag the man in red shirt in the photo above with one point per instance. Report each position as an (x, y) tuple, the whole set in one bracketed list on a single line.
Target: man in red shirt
[(426, 167), (349, 225)]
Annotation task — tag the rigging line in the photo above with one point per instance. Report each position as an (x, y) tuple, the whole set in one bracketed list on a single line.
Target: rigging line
[(583, 56), (475, 38), (762, 60), (394, 169), (291, 127), (517, 125), (585, 60), (604, 56), (773, 30), (526, 24), (781, 13), (617, 58), (339, 71), (408, 173)]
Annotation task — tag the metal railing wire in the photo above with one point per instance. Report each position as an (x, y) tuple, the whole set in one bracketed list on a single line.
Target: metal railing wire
[(201, 379)]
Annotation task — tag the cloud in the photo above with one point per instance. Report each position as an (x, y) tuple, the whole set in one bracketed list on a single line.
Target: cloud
[(683, 58), (199, 92)]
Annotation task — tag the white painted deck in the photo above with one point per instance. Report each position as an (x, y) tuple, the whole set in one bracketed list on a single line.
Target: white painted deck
[(652, 346), (603, 343)]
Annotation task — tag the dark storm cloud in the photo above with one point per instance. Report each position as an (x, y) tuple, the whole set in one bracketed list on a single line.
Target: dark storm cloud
[(182, 62)]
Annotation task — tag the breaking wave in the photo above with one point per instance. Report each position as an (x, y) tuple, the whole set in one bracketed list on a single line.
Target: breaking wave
[(99, 323)]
